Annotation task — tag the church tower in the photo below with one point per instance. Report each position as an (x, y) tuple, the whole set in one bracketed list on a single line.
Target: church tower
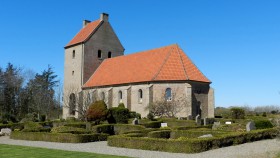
[(95, 42)]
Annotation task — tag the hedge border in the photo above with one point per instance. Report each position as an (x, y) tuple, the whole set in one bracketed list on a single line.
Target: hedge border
[(188, 145), (59, 137)]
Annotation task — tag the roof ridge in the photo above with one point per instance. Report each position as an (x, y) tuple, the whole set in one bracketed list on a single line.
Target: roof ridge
[(185, 71), (167, 56), (94, 30)]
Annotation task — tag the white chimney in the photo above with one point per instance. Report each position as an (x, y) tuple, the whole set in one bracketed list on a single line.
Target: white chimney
[(104, 17), (85, 22)]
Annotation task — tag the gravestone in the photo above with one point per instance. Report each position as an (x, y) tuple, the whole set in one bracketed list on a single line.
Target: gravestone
[(205, 121), (250, 126), (206, 136), (163, 125), (6, 131), (135, 121), (216, 125), (189, 117), (198, 120)]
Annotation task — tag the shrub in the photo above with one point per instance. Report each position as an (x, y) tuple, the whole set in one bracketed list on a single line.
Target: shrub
[(160, 134), (153, 124), (43, 118), (133, 114), (67, 129), (59, 137), (237, 113), (118, 115), (264, 114), (107, 128), (97, 111), (76, 124), (124, 128), (150, 116), (263, 124), (121, 105), (34, 127)]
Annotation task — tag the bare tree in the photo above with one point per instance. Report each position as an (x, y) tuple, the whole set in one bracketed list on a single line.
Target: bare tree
[(167, 106), (78, 101)]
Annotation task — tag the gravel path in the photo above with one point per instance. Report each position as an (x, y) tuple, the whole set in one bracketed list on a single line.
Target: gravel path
[(259, 149)]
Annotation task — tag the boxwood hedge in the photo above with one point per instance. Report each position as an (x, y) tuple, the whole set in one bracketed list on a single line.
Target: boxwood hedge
[(59, 137), (189, 145)]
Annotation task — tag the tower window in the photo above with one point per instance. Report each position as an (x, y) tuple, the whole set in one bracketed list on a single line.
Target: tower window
[(168, 96), (140, 95), (109, 54), (73, 54), (73, 72), (99, 55), (120, 96)]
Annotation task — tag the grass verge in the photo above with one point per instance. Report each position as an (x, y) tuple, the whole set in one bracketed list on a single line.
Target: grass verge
[(14, 151)]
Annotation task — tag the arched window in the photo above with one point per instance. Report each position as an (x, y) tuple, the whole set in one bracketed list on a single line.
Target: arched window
[(109, 54), (140, 95), (99, 55), (168, 94), (72, 104), (120, 96), (102, 96)]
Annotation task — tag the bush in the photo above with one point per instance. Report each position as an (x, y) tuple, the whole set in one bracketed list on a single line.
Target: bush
[(76, 124), (263, 124), (124, 128), (107, 128), (118, 115), (43, 118), (34, 127), (67, 129), (153, 124), (133, 114), (59, 137), (237, 113), (150, 116), (264, 114), (160, 134), (121, 105), (97, 111), (189, 145)]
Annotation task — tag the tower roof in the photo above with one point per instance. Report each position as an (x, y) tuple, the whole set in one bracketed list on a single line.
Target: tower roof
[(84, 33), (167, 63)]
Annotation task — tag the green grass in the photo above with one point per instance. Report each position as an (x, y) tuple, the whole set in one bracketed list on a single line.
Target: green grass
[(13, 151)]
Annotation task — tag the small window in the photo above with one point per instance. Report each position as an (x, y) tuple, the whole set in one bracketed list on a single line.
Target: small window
[(109, 54), (73, 72), (102, 96), (140, 95), (168, 94), (120, 96), (73, 54), (99, 54)]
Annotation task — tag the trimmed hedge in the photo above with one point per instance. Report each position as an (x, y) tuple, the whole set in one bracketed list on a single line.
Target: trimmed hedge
[(116, 128), (159, 134), (194, 133), (189, 145), (263, 124), (153, 124), (59, 137), (76, 124), (67, 129), (106, 128)]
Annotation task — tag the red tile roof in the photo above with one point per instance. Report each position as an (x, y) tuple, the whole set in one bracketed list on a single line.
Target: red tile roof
[(84, 33), (168, 63)]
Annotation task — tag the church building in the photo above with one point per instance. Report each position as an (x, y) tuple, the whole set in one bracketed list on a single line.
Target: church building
[(96, 67)]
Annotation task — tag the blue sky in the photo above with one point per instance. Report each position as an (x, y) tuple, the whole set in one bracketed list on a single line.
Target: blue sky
[(235, 43)]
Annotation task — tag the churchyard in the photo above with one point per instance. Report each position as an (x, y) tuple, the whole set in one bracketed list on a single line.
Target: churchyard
[(123, 128)]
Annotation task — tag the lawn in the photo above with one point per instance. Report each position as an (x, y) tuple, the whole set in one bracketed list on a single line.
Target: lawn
[(13, 151)]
